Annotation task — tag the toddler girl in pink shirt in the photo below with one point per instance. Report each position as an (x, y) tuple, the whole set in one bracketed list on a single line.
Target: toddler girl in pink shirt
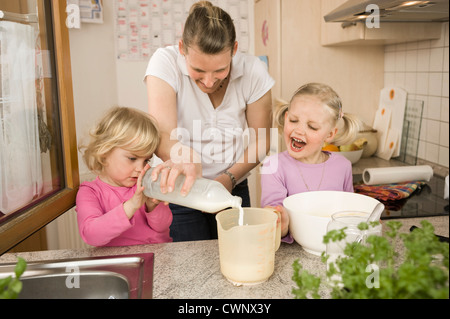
[(112, 210)]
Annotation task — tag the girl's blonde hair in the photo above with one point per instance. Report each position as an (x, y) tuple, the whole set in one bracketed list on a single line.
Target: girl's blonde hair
[(127, 128), (351, 124), (210, 28)]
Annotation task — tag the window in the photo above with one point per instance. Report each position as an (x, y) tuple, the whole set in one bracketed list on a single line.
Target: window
[(38, 157)]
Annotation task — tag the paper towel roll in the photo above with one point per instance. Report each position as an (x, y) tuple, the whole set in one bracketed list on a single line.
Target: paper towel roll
[(397, 174)]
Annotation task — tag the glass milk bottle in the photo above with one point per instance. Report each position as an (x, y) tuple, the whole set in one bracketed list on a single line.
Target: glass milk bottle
[(205, 195)]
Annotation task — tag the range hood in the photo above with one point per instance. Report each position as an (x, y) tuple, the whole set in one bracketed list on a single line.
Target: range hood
[(391, 11)]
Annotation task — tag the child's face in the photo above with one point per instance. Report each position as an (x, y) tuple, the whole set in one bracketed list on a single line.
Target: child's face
[(122, 168), (308, 124)]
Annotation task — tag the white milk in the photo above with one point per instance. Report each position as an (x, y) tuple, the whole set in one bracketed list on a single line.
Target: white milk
[(205, 195), (241, 216)]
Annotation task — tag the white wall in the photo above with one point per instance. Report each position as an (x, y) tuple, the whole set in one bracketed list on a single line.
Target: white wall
[(100, 81), (94, 73)]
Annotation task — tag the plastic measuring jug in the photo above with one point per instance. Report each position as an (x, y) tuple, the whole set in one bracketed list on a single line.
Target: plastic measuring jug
[(247, 252)]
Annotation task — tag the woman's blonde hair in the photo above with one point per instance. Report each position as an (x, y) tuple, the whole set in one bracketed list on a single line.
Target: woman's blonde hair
[(351, 124), (124, 127), (209, 28)]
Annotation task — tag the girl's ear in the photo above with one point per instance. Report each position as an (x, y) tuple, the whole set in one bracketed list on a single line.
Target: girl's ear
[(331, 135)]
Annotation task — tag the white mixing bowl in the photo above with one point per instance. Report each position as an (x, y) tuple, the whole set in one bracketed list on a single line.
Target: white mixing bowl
[(310, 212), (352, 156)]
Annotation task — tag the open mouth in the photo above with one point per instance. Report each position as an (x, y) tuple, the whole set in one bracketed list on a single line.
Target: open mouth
[(297, 144)]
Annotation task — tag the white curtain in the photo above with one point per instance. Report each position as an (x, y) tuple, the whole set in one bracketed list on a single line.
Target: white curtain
[(20, 161)]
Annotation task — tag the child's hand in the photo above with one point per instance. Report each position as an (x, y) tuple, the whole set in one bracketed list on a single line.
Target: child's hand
[(151, 203), (284, 219), (138, 199)]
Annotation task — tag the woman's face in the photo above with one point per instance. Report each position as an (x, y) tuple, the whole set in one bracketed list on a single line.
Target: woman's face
[(307, 126), (208, 70)]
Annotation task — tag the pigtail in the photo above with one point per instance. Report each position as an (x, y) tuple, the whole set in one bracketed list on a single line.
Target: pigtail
[(347, 132), (280, 109)]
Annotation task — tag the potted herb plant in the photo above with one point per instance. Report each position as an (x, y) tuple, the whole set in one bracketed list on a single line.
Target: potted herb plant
[(376, 270)]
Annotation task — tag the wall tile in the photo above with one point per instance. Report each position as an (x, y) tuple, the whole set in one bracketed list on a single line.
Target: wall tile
[(435, 84), (434, 108), (433, 131), (444, 110), (432, 153), (400, 79), (400, 60), (443, 138), (443, 156), (423, 60), (422, 69), (389, 62), (422, 83), (445, 84), (446, 60), (436, 59), (411, 61), (410, 82)]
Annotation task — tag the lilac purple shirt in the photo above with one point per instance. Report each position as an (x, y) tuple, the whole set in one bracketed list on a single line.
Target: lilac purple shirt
[(282, 176), (102, 220)]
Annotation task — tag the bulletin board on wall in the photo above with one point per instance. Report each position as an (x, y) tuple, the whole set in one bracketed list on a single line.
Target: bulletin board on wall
[(143, 26)]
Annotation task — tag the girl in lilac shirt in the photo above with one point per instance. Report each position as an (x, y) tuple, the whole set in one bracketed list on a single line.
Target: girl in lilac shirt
[(112, 210), (310, 119)]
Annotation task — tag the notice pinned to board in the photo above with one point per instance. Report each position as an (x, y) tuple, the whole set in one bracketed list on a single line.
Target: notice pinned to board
[(90, 11), (143, 26)]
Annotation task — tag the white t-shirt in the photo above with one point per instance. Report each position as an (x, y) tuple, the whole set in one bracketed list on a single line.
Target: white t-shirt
[(217, 134)]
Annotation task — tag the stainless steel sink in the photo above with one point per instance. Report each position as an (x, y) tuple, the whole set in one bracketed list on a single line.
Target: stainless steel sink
[(121, 277)]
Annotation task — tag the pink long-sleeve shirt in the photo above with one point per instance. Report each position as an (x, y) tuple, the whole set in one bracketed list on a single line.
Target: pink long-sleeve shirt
[(281, 176), (102, 220)]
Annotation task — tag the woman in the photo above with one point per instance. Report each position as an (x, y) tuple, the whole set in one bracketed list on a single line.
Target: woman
[(204, 94)]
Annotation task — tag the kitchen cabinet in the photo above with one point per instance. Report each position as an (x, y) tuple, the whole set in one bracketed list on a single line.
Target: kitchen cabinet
[(296, 56), (334, 34), (50, 99)]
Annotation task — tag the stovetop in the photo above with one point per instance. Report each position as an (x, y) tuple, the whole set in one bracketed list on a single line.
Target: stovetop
[(426, 201)]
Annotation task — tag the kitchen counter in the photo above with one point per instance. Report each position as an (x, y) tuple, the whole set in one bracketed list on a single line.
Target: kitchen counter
[(192, 269)]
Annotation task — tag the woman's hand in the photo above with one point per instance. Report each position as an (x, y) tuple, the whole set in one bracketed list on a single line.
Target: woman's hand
[(169, 171)]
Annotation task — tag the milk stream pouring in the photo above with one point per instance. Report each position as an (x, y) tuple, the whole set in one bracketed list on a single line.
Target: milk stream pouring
[(205, 195)]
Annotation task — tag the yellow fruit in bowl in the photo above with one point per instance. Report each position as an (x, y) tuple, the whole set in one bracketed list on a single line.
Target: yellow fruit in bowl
[(348, 148), (355, 146), (330, 148)]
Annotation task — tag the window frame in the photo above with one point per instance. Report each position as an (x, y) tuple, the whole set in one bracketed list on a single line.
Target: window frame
[(18, 228)]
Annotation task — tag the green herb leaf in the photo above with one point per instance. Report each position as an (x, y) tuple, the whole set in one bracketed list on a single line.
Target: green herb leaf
[(423, 271), (20, 268), (9, 287)]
